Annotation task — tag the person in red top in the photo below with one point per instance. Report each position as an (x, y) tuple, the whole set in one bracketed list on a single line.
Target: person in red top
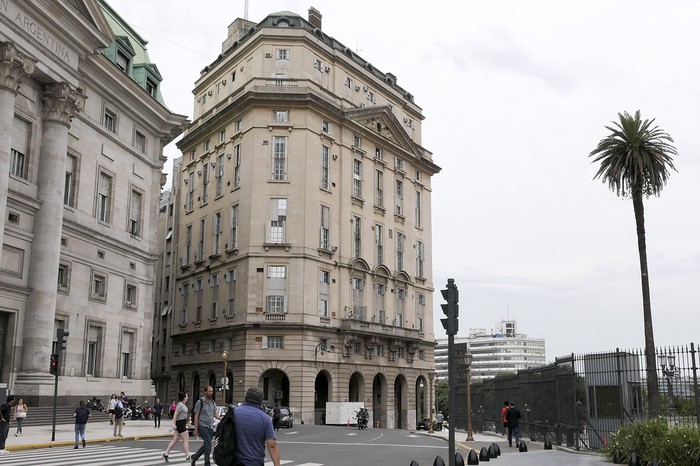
[(504, 412)]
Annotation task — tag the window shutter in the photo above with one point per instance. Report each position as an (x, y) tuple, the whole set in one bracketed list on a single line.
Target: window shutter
[(264, 342), (20, 135)]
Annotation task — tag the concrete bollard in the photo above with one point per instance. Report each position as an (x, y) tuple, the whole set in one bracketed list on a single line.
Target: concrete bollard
[(617, 457), (634, 460), (484, 454), (492, 451), (438, 461), (472, 458), (459, 460), (547, 444), (522, 448), (414, 463), (498, 449)]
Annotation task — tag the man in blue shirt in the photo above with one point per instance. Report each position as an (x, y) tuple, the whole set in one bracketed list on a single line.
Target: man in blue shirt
[(254, 431)]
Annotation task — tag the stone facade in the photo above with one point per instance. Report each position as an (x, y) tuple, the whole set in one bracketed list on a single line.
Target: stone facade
[(298, 236), (81, 139)]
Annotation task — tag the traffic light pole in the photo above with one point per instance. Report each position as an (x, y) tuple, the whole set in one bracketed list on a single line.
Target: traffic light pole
[(451, 325), (55, 399), (61, 335)]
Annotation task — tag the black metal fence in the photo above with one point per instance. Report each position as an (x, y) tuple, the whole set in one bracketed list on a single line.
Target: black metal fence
[(579, 400)]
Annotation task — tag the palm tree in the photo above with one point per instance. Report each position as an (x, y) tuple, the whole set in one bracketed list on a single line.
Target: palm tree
[(635, 161)]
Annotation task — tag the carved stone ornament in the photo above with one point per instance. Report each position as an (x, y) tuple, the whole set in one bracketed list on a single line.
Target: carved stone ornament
[(61, 103), (14, 66)]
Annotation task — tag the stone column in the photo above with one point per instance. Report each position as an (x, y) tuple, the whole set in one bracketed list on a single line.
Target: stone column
[(60, 103), (13, 67)]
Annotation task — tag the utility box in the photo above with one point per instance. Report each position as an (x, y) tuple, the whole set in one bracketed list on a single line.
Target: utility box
[(342, 413)]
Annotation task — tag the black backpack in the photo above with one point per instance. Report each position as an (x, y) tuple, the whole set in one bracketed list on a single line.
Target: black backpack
[(225, 447), (118, 410)]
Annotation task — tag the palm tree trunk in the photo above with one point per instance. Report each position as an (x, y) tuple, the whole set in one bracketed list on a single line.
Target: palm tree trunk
[(649, 347)]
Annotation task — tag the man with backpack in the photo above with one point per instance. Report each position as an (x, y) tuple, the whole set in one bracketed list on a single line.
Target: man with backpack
[(252, 432), (81, 415), (204, 415), (118, 417)]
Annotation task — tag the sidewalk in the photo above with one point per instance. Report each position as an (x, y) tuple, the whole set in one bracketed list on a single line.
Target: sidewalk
[(98, 431)]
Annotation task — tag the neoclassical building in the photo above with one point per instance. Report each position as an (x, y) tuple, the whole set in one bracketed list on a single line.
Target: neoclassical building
[(298, 237), (82, 130)]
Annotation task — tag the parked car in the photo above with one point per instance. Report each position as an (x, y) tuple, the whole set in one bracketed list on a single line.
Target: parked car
[(424, 424)]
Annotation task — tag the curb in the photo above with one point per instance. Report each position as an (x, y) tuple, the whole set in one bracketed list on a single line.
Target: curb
[(64, 443)]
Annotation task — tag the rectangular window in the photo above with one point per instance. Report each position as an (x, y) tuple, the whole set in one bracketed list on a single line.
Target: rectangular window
[(279, 158), (370, 97), (199, 296), (238, 125), (131, 296), (325, 126), (185, 303), (110, 120), (140, 142), (206, 146), (219, 175), (104, 198), (63, 277), (216, 231), (357, 178), (399, 197), (379, 188), (318, 65), (325, 166), (231, 304), (359, 310), (400, 301), (222, 135), (400, 241), (356, 141), (323, 292), (205, 181), (70, 181), (200, 244), (233, 239), (91, 366), (356, 237), (378, 153), (237, 166), (122, 61), (126, 355), (348, 82), (151, 87), (420, 259), (98, 291), (274, 342), (380, 350), (19, 149), (188, 244), (325, 228), (280, 116), (276, 289), (398, 164), (379, 243), (379, 304), (135, 213), (419, 212), (278, 220), (214, 282), (193, 152), (283, 54), (189, 202)]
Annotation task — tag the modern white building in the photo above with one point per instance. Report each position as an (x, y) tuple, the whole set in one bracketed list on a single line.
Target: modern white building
[(500, 351), (82, 130)]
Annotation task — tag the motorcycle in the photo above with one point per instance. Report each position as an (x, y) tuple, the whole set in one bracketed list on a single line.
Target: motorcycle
[(149, 413), (362, 419), (95, 404), (136, 413)]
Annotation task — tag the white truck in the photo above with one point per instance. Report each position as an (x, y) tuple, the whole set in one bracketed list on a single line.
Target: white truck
[(342, 413)]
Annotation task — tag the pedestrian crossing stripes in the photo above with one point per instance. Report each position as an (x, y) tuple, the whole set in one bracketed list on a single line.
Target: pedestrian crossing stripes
[(104, 455)]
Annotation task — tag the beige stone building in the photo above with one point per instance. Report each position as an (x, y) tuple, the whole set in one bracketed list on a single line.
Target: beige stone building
[(82, 128), (299, 231)]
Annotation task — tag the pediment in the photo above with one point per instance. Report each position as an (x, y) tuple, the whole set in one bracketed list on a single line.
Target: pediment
[(381, 121), (92, 12)]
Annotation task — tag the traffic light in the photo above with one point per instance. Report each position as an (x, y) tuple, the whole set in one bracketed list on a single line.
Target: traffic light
[(61, 339), (450, 308), (53, 367)]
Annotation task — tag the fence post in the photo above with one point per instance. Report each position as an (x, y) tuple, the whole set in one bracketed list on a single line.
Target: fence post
[(695, 383), (620, 387)]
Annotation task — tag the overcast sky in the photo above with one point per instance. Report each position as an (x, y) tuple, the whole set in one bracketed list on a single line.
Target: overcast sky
[(515, 95)]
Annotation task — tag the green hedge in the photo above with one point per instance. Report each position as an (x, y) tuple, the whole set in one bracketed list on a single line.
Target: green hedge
[(678, 446)]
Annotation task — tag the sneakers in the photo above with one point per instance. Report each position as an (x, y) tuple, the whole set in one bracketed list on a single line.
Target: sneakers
[(4, 452), (83, 443), (165, 456), (188, 457), (75, 447), (193, 462)]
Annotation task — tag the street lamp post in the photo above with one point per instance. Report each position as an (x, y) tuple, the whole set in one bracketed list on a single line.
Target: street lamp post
[(431, 376), (669, 371), (468, 364), (224, 381)]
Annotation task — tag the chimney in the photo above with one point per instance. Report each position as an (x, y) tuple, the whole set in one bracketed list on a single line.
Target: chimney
[(315, 17)]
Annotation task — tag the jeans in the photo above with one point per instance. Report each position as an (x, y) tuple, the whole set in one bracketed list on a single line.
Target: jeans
[(4, 430), (156, 420), (19, 425), (118, 424), (79, 432), (514, 431), (207, 433)]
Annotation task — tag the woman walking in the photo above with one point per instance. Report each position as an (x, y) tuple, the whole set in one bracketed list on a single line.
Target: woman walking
[(112, 402), (20, 413), (173, 405), (179, 428)]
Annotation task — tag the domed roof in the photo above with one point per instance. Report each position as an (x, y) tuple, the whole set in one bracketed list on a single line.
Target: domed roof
[(285, 13)]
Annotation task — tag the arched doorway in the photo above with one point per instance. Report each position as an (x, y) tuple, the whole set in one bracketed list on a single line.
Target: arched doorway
[(275, 387), (194, 396), (180, 384), (379, 401), (212, 382), (356, 390), (400, 402), (322, 390), (229, 388)]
